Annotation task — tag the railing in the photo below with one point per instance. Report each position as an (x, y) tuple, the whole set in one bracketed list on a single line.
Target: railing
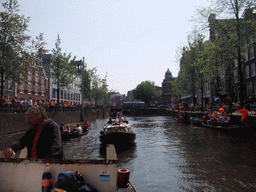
[(19, 108)]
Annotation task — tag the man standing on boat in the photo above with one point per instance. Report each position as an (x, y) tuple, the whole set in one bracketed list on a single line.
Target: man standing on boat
[(244, 117), (43, 139)]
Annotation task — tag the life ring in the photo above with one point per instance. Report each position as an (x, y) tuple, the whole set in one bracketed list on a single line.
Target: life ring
[(123, 177)]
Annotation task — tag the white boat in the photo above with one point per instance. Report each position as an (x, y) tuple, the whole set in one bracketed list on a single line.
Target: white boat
[(20, 174)]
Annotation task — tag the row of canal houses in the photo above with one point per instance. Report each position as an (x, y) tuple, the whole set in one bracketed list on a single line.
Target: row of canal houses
[(38, 84), (228, 82)]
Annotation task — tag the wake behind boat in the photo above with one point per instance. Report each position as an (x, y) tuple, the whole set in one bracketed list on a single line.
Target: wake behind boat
[(117, 133)]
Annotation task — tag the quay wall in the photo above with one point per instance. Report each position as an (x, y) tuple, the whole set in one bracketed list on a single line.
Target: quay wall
[(13, 123), (235, 118)]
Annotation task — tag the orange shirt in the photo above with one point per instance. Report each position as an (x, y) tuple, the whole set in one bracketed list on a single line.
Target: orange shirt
[(4, 100), (36, 136)]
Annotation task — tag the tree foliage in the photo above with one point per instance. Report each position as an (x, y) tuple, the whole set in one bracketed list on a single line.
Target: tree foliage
[(13, 56), (63, 68), (230, 35), (146, 92), (99, 88), (193, 68)]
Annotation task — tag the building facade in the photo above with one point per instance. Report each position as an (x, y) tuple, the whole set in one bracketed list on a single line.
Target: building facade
[(35, 85), (72, 94)]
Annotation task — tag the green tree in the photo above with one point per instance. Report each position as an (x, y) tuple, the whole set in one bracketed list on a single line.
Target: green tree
[(146, 92), (63, 68), (86, 82), (13, 56), (99, 88), (233, 32), (37, 47)]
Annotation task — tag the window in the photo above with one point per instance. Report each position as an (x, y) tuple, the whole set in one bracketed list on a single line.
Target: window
[(10, 84), (254, 87), (235, 75), (253, 73), (247, 71), (22, 88), (53, 93), (29, 77), (246, 57), (249, 88), (251, 53), (236, 63), (65, 94)]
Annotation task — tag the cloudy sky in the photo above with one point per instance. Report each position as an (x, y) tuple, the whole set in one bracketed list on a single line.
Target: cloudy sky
[(129, 40)]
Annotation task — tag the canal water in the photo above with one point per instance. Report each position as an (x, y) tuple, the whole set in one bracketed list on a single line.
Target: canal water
[(171, 156)]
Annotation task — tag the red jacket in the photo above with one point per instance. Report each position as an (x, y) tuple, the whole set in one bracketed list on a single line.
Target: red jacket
[(244, 114)]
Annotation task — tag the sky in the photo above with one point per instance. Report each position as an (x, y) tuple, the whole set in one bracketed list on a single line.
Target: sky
[(130, 41)]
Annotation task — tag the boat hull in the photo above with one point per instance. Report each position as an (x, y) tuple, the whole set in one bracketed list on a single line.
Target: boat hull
[(196, 121), (67, 136), (117, 138), (223, 127)]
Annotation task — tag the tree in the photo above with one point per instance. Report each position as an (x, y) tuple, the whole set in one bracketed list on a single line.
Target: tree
[(37, 47), (99, 88), (233, 32), (146, 92), (13, 56), (86, 82), (63, 68)]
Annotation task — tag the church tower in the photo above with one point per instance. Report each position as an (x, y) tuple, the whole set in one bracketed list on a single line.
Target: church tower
[(167, 87)]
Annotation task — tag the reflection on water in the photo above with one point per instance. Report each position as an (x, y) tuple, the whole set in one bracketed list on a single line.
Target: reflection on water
[(170, 156)]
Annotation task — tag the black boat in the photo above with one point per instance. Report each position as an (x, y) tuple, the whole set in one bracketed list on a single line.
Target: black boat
[(222, 126), (196, 121), (117, 134)]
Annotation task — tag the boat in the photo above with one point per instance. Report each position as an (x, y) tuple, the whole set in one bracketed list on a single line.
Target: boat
[(183, 117), (22, 174), (69, 135), (117, 134), (222, 126), (196, 121)]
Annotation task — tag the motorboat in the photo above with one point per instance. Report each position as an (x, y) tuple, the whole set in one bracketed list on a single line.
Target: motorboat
[(117, 133)]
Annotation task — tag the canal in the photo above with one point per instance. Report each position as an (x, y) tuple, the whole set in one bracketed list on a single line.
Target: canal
[(170, 156)]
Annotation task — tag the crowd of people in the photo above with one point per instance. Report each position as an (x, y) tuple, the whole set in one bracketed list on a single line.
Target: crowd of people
[(21, 105)]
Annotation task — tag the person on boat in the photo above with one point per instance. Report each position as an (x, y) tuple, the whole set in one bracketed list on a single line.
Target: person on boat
[(120, 119), (85, 126), (125, 120), (79, 129), (214, 118), (43, 139), (67, 129), (62, 128), (110, 121), (244, 117)]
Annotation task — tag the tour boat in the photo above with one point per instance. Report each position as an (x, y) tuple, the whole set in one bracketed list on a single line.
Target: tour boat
[(117, 134), (22, 174)]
